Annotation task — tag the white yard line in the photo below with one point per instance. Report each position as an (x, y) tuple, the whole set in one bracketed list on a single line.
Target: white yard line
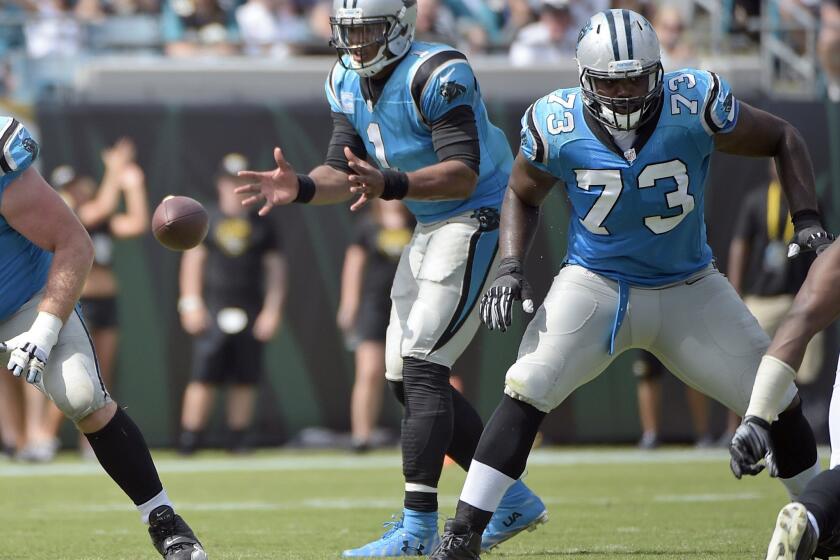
[(309, 462)]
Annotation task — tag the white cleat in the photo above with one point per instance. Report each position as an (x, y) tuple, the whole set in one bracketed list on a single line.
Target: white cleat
[(793, 538)]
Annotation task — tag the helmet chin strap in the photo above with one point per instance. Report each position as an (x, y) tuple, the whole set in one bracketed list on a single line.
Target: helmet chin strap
[(621, 122)]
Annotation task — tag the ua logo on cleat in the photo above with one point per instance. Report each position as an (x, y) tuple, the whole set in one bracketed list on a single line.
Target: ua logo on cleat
[(512, 518), (419, 550)]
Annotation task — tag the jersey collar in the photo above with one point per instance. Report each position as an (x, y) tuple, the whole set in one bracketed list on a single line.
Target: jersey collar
[(643, 133)]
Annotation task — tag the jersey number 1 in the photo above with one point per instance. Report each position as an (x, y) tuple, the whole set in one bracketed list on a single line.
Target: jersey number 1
[(375, 137), (610, 180)]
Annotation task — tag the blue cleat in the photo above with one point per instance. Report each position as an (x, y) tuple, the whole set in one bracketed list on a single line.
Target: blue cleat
[(416, 534), (520, 510)]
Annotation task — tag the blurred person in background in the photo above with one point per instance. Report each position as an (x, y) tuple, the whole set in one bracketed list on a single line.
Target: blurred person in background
[(648, 371), (271, 27), (763, 275), (199, 28), (53, 29), (677, 50), (828, 46), (233, 287), (370, 264), (436, 23), (550, 40)]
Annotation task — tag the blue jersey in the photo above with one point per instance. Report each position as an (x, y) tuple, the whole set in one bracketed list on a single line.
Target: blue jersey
[(636, 216), (427, 83), (23, 265)]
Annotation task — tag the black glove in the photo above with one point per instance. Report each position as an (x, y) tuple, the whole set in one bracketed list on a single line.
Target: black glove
[(510, 285), (808, 234), (750, 444)]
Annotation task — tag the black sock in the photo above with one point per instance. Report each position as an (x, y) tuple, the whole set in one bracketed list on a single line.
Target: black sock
[(189, 441), (508, 437), (124, 455), (504, 446), (793, 442), (822, 499), (426, 428), (467, 430)]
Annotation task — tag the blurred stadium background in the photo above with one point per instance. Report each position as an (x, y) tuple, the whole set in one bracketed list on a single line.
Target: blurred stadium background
[(192, 80)]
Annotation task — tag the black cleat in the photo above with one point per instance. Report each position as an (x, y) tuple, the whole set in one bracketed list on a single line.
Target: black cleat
[(459, 542), (172, 537)]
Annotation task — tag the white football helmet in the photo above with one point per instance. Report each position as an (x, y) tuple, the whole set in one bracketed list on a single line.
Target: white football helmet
[(360, 26), (619, 45)]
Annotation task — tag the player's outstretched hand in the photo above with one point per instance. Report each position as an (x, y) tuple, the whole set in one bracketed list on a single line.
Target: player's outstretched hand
[(750, 444), (366, 180), (276, 187), (810, 237), (496, 307), (29, 351)]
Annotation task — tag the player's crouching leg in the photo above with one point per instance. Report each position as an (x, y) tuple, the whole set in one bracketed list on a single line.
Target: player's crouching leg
[(72, 382)]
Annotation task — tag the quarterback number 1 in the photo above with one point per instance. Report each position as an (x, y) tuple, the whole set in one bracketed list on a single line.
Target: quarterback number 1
[(375, 137)]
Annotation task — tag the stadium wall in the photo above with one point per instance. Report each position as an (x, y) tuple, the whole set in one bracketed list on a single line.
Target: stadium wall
[(309, 373)]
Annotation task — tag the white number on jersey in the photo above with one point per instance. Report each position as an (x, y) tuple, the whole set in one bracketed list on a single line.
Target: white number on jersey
[(610, 179), (375, 137), (567, 120), (677, 100)]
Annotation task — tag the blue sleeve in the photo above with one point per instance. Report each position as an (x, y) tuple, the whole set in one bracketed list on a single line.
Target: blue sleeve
[(532, 142), (331, 90), (19, 151), (720, 108), (452, 85)]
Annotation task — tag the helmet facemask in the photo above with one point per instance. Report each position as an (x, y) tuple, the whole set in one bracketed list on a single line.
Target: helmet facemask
[(623, 112), (366, 45)]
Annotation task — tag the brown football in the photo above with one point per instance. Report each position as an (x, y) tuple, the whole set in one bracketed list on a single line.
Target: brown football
[(180, 223)]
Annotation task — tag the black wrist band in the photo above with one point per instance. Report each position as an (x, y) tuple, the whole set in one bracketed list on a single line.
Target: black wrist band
[(306, 189), (396, 185), (805, 218)]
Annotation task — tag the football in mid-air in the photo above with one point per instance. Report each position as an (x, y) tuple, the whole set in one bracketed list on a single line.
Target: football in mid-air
[(180, 223)]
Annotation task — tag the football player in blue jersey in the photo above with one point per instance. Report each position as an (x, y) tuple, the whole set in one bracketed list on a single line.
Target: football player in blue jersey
[(632, 146), (415, 109), (45, 257)]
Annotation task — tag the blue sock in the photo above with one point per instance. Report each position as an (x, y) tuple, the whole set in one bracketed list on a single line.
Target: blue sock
[(516, 494), (419, 522)]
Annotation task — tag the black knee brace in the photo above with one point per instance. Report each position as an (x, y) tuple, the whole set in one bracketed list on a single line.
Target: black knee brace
[(398, 390), (508, 437), (822, 498), (427, 421), (793, 442)]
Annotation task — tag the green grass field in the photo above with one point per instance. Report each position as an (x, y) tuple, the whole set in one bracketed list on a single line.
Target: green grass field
[(604, 503)]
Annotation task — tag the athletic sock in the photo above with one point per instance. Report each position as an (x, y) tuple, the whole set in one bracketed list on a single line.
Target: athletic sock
[(123, 453), (822, 500)]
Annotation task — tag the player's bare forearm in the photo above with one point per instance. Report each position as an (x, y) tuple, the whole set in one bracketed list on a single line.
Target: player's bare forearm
[(447, 180), (815, 307), (760, 134), (331, 185), (527, 188), (69, 270)]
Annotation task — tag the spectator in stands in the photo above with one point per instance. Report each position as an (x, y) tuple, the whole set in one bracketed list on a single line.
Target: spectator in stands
[(518, 14), (436, 23), (550, 40), (199, 28), (271, 27), (763, 275), (123, 184), (677, 49), (232, 291), (648, 371), (828, 46), (365, 308), (52, 29)]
